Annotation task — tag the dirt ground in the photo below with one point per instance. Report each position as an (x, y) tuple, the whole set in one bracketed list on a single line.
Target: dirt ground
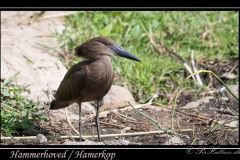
[(194, 124)]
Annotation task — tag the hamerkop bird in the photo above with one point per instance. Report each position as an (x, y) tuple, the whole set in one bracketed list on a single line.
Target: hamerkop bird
[(92, 78)]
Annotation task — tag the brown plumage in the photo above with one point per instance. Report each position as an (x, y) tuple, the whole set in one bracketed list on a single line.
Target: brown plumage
[(91, 79)]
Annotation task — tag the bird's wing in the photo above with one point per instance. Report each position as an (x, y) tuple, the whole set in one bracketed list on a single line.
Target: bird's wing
[(74, 82)]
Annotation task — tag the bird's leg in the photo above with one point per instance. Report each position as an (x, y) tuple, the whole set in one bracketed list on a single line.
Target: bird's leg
[(97, 121), (80, 121)]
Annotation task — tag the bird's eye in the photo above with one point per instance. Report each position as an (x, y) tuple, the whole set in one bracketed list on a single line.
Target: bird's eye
[(106, 43)]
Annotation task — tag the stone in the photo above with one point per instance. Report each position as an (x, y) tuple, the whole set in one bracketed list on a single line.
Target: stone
[(191, 105), (205, 99), (22, 50), (86, 142), (41, 138), (235, 91), (174, 141), (116, 142), (196, 104), (201, 142), (118, 94)]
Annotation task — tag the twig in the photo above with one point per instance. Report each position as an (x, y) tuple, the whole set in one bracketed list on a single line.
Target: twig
[(232, 110), (147, 123), (153, 122), (233, 68), (111, 104), (193, 142), (199, 81), (207, 71), (123, 104), (116, 125), (95, 136), (149, 118), (220, 124), (202, 118), (172, 53), (71, 123), (121, 115), (174, 94), (116, 110), (189, 70), (173, 111), (132, 120)]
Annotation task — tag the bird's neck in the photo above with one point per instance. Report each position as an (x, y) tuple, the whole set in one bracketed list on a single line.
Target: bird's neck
[(104, 65), (105, 60), (101, 69)]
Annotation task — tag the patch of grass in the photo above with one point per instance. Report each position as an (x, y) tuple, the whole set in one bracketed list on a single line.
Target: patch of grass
[(213, 35), (18, 115)]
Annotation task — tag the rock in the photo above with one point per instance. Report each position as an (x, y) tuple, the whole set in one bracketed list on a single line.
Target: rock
[(22, 50), (205, 99), (118, 94), (225, 98), (230, 76), (162, 136), (41, 138), (72, 112), (235, 91), (197, 103), (201, 142), (124, 130), (232, 124), (187, 136), (87, 108), (116, 142), (58, 115), (174, 141), (191, 105), (86, 142)]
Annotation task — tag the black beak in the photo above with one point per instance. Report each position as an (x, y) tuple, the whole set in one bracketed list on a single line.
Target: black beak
[(120, 51)]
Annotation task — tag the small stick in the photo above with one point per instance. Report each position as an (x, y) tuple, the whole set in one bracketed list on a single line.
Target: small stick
[(70, 123), (121, 115), (199, 81), (95, 136), (121, 126), (153, 122), (198, 117)]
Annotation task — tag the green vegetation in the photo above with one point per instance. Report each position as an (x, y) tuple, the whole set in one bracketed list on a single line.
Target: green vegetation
[(213, 35), (18, 115)]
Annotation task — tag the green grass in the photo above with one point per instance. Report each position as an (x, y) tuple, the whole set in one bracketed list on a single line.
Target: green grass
[(18, 115), (213, 35)]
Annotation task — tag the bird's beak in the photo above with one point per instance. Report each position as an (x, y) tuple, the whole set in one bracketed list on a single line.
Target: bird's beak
[(120, 51)]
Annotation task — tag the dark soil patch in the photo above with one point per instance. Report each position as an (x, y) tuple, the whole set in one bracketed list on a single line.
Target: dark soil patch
[(201, 134)]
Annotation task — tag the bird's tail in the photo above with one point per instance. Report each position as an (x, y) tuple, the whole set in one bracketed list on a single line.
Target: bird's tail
[(56, 105)]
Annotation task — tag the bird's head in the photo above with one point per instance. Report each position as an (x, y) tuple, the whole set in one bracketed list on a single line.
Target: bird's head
[(102, 46)]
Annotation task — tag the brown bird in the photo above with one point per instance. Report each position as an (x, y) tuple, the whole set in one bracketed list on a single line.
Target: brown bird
[(91, 79)]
